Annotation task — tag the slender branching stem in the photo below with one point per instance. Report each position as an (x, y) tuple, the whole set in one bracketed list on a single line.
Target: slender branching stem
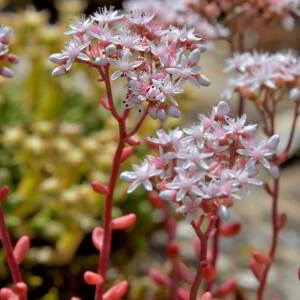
[(8, 248), (123, 137), (292, 132)]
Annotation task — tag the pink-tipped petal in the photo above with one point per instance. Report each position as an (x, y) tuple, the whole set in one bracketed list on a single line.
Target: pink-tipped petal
[(123, 222)]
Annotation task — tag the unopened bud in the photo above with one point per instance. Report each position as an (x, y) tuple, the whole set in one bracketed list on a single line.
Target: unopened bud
[(173, 111), (75, 298), (92, 278), (6, 72), (183, 294), (206, 296), (57, 58), (100, 188), (261, 258), (59, 71), (20, 289), (97, 238), (203, 80), (194, 56), (4, 192), (123, 222), (6, 294), (21, 249), (281, 221), (225, 289), (126, 153), (224, 213), (101, 61), (256, 269), (111, 50), (230, 230), (117, 291), (12, 58), (159, 278)]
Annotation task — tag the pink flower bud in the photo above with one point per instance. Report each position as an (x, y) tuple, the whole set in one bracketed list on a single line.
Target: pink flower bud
[(75, 298), (21, 248), (92, 278), (185, 273), (20, 289), (183, 294), (97, 238), (155, 200), (281, 221), (59, 71), (225, 289), (230, 230), (6, 72), (126, 153), (100, 188), (256, 269), (7, 294), (261, 258), (159, 278), (12, 58), (206, 296), (123, 222), (117, 291), (4, 192)]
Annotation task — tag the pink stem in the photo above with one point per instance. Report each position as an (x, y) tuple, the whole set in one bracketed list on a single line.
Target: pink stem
[(272, 250), (9, 250), (123, 136), (292, 133)]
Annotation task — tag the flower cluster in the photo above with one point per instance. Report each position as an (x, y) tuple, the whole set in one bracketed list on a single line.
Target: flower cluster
[(256, 72), (5, 56), (156, 62), (197, 14), (204, 167)]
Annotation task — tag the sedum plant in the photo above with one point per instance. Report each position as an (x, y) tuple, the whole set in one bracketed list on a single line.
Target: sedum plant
[(200, 170)]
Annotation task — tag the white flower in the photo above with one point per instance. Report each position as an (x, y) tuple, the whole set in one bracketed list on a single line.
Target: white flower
[(81, 26), (71, 52), (105, 15), (125, 67), (141, 175)]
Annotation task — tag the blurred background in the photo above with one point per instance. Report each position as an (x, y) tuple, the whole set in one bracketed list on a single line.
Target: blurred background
[(55, 138)]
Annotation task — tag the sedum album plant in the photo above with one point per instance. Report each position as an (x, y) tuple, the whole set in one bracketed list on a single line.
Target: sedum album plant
[(200, 170)]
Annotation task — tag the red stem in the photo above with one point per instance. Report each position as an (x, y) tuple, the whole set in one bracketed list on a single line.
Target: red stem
[(272, 250), (215, 250), (123, 137), (8, 248), (292, 133)]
